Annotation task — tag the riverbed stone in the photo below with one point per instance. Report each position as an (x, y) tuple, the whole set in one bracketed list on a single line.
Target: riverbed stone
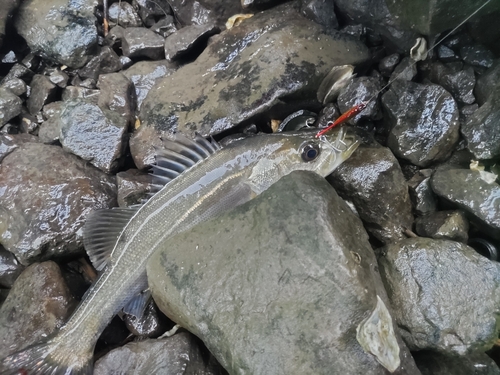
[(10, 105), (445, 295), (487, 83), (16, 85), (106, 61), (118, 95), (179, 354), (124, 14), (372, 179), (434, 363), (280, 285), (59, 30), (37, 305), (46, 196), (9, 142), (42, 92), (423, 198), (10, 268), (423, 119), (244, 71), (93, 133), (451, 225), (133, 186), (142, 42), (466, 190), (184, 41)]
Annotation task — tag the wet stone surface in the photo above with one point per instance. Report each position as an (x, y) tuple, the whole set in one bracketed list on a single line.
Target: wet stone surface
[(133, 186), (43, 220), (124, 14), (424, 122), (433, 363), (152, 324), (421, 274), (10, 268), (10, 105), (421, 193), (182, 42), (467, 190), (372, 179), (357, 91), (451, 225), (141, 42), (38, 304), (243, 301), (42, 92)]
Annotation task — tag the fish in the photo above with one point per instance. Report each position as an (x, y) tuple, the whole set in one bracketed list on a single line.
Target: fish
[(193, 181)]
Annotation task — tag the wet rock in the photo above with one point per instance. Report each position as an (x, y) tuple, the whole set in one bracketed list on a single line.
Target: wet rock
[(482, 129), (118, 95), (150, 11), (183, 41), (51, 128), (387, 64), (7, 8), (31, 61), (68, 29), (29, 123), (245, 71), (10, 268), (38, 304), (151, 324), (94, 134), (58, 191), (144, 75), (461, 85), (244, 300), (357, 91), (321, 12), (179, 354), (466, 112), (487, 83), (431, 284), (421, 192), (10, 105), (446, 54), (133, 186), (329, 113), (448, 225), (19, 71), (466, 190), (424, 122), (9, 58), (114, 37), (124, 14), (165, 27), (72, 93), (16, 85), (9, 142), (477, 56), (59, 78), (375, 15), (107, 61), (433, 363), (406, 70), (372, 179), (42, 92), (193, 12), (142, 42)]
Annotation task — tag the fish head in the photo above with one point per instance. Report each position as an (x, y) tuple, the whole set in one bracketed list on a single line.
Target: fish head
[(321, 155)]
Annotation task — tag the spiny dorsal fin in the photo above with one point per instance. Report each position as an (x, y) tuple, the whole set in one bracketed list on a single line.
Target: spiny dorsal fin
[(175, 156), (101, 231)]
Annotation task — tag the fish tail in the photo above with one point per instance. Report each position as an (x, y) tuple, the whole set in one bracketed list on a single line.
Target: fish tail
[(47, 358)]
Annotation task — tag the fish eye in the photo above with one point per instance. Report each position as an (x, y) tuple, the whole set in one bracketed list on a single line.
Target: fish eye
[(310, 151)]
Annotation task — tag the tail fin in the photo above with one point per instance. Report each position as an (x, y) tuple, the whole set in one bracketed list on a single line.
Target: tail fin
[(44, 359)]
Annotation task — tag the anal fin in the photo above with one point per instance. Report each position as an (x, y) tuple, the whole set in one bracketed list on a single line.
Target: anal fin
[(137, 304)]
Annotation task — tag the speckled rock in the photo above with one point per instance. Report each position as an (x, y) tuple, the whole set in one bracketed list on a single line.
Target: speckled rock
[(94, 134), (242, 73), (431, 284), (291, 310), (451, 225), (10, 105), (372, 179), (38, 304), (46, 195), (179, 354), (16, 85), (10, 268), (424, 122), (465, 189), (59, 30)]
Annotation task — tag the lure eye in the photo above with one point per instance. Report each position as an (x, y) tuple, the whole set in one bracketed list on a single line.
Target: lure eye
[(310, 151)]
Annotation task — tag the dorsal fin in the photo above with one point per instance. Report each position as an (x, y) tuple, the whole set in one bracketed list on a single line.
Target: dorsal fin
[(101, 231), (175, 156)]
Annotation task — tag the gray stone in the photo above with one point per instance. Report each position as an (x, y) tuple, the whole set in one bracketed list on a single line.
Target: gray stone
[(424, 122), (72, 93), (280, 284), (184, 40), (59, 30), (37, 305), (51, 128), (467, 190), (433, 363), (487, 83), (421, 193), (196, 12), (179, 354), (10, 105), (243, 72), (461, 85), (372, 179), (94, 134), (10, 268), (445, 295), (482, 129), (150, 11), (9, 142), (42, 92), (142, 42), (106, 61), (16, 85), (124, 14), (18, 71), (477, 55), (133, 186), (357, 91), (321, 12), (144, 75), (59, 78), (151, 324), (165, 27), (446, 54), (46, 196), (118, 95), (406, 70), (387, 64), (448, 225)]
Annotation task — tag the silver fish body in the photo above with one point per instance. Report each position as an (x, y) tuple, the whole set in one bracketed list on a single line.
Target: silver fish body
[(227, 178)]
